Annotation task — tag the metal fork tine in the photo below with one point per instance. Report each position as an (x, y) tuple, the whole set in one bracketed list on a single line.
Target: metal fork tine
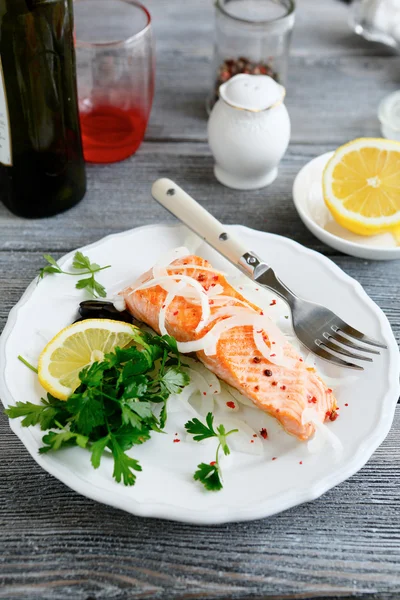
[(332, 358), (354, 333), (340, 350), (346, 342)]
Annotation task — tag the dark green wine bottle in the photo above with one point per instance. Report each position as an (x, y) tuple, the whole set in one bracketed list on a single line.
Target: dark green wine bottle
[(42, 169)]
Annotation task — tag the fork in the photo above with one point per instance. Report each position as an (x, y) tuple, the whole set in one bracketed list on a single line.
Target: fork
[(318, 328)]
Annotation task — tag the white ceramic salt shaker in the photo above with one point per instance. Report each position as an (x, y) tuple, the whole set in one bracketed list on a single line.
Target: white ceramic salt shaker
[(248, 131)]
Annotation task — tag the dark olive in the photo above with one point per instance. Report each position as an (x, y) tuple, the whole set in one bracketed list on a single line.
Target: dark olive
[(100, 309)]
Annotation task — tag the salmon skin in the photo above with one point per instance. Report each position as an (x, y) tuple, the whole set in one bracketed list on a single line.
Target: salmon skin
[(283, 392)]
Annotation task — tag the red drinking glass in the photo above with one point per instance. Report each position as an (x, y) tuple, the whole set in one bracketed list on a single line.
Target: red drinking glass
[(115, 68)]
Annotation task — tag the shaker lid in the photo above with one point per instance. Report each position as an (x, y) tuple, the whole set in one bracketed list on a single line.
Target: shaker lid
[(252, 92)]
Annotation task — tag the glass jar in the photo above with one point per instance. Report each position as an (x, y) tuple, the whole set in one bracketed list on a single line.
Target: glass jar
[(251, 36)]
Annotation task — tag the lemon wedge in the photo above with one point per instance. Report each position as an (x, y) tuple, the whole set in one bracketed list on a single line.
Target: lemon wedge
[(361, 185), (76, 347)]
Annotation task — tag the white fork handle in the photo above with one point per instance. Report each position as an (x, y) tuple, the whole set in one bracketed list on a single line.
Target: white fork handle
[(197, 218)]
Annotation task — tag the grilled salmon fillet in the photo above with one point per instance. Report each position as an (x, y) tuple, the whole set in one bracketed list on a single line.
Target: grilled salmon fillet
[(281, 391)]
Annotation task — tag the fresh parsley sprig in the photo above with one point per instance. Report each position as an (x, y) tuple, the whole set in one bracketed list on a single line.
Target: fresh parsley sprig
[(209, 474), (119, 402), (83, 266)]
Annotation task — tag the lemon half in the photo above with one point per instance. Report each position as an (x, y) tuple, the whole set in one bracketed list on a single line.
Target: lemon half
[(361, 185), (76, 347)]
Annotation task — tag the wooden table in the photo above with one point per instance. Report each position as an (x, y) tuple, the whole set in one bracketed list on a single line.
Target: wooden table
[(55, 544)]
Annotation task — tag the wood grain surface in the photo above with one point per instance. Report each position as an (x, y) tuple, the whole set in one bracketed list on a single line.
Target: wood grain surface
[(55, 544)]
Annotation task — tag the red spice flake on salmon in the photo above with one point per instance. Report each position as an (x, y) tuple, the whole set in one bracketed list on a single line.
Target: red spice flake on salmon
[(283, 387), (313, 400), (176, 313), (264, 433), (201, 277), (274, 383), (332, 415)]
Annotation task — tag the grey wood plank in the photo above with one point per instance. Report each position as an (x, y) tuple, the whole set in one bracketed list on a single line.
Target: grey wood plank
[(61, 545), (118, 198), (321, 27), (330, 99)]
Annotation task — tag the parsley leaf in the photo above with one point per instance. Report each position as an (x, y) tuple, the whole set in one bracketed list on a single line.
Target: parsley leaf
[(55, 441), (45, 414), (81, 262), (163, 415), (124, 465), (84, 283), (208, 475), (174, 380), (222, 433), (87, 410), (93, 375), (135, 387), (52, 267), (129, 436), (97, 450), (200, 431), (129, 417)]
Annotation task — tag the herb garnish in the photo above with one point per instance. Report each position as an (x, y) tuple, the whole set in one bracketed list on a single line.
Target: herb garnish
[(27, 364), (115, 406), (209, 474), (83, 266)]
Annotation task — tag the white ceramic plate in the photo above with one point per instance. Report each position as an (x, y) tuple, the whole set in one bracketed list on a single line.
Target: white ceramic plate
[(309, 202), (254, 487)]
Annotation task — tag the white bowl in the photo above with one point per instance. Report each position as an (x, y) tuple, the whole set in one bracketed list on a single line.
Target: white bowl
[(309, 202)]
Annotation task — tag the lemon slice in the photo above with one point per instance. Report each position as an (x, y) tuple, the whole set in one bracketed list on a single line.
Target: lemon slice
[(76, 347), (361, 184)]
